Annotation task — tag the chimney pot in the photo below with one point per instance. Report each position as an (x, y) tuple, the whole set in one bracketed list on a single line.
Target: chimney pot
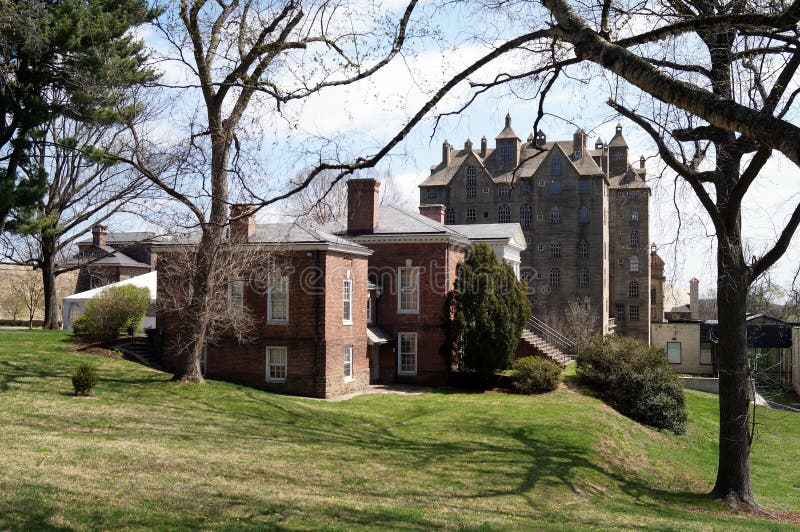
[(541, 138), (362, 205), (468, 145), (446, 153), (484, 147)]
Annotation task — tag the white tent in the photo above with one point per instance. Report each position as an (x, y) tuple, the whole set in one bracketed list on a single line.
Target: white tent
[(73, 307)]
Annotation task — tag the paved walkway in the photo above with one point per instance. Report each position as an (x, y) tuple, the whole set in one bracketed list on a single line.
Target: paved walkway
[(399, 389)]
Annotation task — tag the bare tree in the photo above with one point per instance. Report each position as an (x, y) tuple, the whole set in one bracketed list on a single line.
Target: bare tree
[(324, 200), (580, 323), (83, 187), (235, 53), (26, 287)]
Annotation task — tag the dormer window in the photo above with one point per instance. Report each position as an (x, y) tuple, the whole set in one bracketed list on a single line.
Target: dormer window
[(506, 153)]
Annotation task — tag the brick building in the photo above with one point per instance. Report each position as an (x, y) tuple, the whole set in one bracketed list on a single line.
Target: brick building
[(356, 302), (112, 257), (584, 213)]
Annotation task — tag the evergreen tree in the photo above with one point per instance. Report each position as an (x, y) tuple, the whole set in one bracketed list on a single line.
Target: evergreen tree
[(48, 50), (484, 315)]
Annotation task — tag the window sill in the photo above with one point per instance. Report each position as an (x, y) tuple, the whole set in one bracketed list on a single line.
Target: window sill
[(347, 322), (407, 311), (276, 381), (348, 379), (284, 322), (407, 373)]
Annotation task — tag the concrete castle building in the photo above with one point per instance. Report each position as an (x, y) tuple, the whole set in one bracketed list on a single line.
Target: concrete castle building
[(584, 213)]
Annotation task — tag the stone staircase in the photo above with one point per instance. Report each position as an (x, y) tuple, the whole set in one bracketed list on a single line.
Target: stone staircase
[(139, 349), (548, 343)]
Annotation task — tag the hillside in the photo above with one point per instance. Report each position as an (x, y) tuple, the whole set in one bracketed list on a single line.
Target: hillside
[(145, 452)]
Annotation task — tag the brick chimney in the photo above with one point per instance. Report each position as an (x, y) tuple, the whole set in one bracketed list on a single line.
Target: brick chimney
[(99, 233), (242, 223), (362, 205), (694, 298), (434, 211)]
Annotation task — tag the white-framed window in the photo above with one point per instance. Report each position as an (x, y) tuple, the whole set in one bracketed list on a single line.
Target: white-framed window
[(407, 353), (235, 297), (541, 183), (540, 217), (634, 239), (348, 362), (583, 215), (555, 216), (583, 278), (471, 182), (555, 166), (634, 263), (504, 214), (525, 216), (486, 191), (540, 247), (471, 173), (555, 250), (633, 312), (583, 249), (634, 215), (578, 153), (369, 308), (620, 312), (276, 364), (633, 289), (470, 215), (450, 216), (347, 302), (278, 299), (432, 194), (674, 352), (408, 290)]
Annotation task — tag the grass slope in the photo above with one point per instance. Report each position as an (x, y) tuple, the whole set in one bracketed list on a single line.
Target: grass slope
[(145, 452)]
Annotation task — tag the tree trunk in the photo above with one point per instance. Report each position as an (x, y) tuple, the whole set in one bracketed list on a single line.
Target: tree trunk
[(206, 257), (49, 284), (733, 473)]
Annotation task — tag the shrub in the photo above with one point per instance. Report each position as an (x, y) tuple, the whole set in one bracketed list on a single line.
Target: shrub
[(84, 379), (80, 327), (535, 375), (636, 379), (115, 309)]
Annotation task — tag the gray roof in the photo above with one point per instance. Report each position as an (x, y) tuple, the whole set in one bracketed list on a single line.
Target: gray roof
[(633, 178), (280, 233), (531, 158), (393, 220), (114, 258), (618, 139), (124, 237), (488, 231)]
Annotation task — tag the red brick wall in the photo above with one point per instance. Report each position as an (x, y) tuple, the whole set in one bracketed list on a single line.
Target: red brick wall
[(436, 277), (314, 336)]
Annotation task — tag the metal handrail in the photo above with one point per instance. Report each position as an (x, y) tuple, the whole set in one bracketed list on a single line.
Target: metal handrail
[(551, 336)]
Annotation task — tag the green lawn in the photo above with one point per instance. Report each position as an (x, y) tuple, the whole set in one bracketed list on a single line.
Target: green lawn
[(145, 452)]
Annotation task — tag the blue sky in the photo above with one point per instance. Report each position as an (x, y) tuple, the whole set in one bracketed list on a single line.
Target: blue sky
[(361, 118)]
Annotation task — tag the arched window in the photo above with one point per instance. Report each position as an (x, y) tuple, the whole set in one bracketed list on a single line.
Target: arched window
[(504, 214), (555, 165), (583, 215), (634, 239), (555, 216), (633, 289), (634, 263), (450, 216), (555, 277), (583, 278), (525, 216), (583, 249), (555, 250)]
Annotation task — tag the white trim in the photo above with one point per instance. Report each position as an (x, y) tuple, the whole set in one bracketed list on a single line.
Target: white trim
[(347, 378), (284, 280), (400, 336), (347, 283), (268, 354), (240, 307), (401, 310)]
